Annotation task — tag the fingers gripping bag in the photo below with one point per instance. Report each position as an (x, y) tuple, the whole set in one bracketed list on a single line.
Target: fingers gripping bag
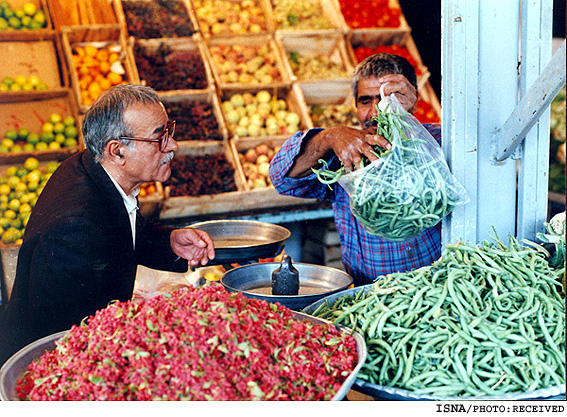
[(410, 187)]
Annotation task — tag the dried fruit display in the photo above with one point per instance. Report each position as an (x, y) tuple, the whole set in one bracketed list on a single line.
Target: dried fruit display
[(228, 17), (324, 116), (362, 52), (157, 19), (249, 64), (255, 163), (300, 15), (168, 69), (262, 114), (98, 69), (359, 14), (195, 120), (200, 175), (193, 344), (320, 66)]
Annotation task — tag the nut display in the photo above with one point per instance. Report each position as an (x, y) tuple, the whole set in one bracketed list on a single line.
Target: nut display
[(245, 64), (260, 114)]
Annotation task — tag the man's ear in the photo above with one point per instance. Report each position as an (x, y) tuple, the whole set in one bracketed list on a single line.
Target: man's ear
[(115, 150)]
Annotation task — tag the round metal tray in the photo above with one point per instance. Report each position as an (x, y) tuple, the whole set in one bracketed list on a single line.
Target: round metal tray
[(315, 282), (237, 241), (15, 367), (380, 392)]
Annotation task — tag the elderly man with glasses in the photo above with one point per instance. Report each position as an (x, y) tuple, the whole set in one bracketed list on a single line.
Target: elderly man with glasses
[(85, 238)]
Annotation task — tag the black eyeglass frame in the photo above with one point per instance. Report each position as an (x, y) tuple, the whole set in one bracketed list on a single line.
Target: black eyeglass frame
[(162, 139)]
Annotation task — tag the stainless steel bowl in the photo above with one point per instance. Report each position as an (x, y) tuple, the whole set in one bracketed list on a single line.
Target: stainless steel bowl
[(237, 241), (15, 367), (315, 282)]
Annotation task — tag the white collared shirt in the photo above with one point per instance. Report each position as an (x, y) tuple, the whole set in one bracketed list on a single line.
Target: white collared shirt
[(131, 205)]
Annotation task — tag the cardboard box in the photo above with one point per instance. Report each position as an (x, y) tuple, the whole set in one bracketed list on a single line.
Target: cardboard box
[(41, 58), (175, 45), (32, 113), (123, 18), (100, 36)]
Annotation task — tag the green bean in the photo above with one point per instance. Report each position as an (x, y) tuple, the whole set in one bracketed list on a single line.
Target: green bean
[(470, 321)]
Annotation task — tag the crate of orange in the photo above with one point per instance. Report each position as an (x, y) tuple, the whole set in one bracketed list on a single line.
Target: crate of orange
[(98, 57)]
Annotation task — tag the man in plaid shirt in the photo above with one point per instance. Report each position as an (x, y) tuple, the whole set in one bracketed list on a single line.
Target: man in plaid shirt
[(364, 256)]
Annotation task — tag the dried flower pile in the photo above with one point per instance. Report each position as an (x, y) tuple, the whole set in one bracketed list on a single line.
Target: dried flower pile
[(194, 344)]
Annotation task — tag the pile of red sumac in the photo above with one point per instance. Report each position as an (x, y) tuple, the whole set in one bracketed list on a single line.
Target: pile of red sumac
[(193, 344)]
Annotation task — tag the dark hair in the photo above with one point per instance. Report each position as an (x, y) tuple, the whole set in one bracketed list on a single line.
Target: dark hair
[(382, 64), (104, 120)]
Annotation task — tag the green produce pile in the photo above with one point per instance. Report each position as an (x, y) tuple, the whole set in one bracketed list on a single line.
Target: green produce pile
[(29, 16), (483, 320)]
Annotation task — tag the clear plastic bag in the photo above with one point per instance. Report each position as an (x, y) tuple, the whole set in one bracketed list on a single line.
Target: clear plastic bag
[(409, 188)]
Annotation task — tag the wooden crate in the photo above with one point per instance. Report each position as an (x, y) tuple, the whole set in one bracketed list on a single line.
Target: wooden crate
[(179, 44), (42, 58), (222, 28), (329, 9), (327, 94), (32, 113), (209, 97), (291, 96), (393, 4), (81, 13), (331, 46), (243, 42), (379, 37), (100, 36), (30, 34), (122, 20), (150, 204)]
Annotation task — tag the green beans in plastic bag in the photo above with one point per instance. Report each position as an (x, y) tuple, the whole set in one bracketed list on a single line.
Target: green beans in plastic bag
[(409, 188)]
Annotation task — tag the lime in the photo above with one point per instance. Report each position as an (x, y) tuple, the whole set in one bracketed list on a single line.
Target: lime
[(3, 24), (21, 171), (69, 143), (8, 80), (32, 185), (39, 17), (7, 143), (14, 205), (10, 214), (4, 4), (30, 9), (20, 79), (14, 22), (55, 118), (17, 148), (11, 171), (71, 132), (12, 181), (4, 223), (51, 166), (31, 163), (41, 146), (10, 236), (33, 138), (41, 86), (60, 138), (19, 13), (28, 147), (11, 134), (5, 189), (54, 146), (58, 127), (35, 24), (69, 121), (15, 87), (26, 21), (33, 80), (23, 133), (47, 127), (3, 86), (8, 12), (46, 137), (25, 208)]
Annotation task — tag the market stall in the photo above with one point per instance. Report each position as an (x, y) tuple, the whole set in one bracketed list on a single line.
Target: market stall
[(240, 77)]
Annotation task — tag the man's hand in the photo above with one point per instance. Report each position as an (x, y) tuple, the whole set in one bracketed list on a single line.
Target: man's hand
[(405, 92), (192, 244)]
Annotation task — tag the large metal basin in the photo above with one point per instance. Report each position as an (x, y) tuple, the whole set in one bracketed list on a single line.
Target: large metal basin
[(239, 241), (385, 393), (315, 282), (15, 367)]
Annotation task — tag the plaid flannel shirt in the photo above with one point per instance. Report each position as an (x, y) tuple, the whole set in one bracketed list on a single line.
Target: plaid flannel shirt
[(364, 256)]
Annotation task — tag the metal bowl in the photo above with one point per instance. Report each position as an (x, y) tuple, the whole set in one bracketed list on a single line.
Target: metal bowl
[(243, 240), (15, 367), (315, 282), (379, 392)]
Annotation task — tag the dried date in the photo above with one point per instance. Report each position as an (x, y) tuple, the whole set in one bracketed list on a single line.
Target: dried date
[(200, 175), (157, 19), (195, 120), (167, 69)]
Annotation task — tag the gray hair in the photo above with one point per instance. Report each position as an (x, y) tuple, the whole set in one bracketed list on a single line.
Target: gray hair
[(104, 120), (382, 64)]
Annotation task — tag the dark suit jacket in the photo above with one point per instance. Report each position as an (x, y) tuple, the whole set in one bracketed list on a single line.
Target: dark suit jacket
[(77, 255)]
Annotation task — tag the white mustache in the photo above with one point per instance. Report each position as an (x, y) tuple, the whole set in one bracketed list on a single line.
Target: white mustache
[(167, 158)]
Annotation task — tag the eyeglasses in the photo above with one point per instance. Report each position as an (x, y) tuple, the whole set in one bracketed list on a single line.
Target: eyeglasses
[(162, 139)]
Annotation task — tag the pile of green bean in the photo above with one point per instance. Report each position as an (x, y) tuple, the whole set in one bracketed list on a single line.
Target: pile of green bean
[(408, 192), (483, 320)]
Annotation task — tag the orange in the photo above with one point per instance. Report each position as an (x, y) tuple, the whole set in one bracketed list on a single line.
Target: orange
[(114, 78)]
